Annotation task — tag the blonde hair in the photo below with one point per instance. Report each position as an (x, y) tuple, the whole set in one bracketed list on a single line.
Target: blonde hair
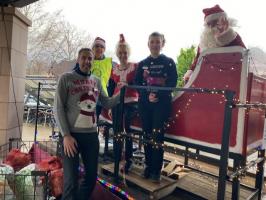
[(122, 43)]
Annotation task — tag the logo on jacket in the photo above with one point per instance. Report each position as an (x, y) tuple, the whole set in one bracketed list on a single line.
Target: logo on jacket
[(86, 117)]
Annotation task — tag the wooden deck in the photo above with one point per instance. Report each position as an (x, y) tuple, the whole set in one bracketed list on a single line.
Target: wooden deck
[(154, 190), (198, 185), (205, 186)]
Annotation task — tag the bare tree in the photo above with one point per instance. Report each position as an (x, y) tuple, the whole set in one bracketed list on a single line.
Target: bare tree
[(51, 38)]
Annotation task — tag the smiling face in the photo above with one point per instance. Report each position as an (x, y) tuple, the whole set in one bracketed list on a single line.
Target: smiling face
[(122, 54), (98, 51), (218, 26), (85, 59), (212, 31), (155, 45)]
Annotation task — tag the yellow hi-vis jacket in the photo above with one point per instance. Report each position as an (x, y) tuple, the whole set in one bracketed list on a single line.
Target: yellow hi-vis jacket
[(102, 69)]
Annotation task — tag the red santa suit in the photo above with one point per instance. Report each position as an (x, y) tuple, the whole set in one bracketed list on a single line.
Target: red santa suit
[(227, 38), (125, 76)]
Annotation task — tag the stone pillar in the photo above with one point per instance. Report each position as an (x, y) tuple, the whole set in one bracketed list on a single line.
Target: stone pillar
[(13, 60)]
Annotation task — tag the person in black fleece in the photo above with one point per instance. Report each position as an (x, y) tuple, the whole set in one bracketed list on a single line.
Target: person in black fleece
[(155, 105)]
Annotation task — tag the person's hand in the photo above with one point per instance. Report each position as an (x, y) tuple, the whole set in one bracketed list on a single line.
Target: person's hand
[(110, 113), (187, 75), (153, 98), (70, 146), (121, 84)]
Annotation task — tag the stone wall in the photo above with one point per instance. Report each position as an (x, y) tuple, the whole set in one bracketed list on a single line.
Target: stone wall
[(13, 61)]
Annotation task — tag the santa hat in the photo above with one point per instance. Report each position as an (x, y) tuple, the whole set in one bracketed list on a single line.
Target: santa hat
[(99, 41), (87, 96), (213, 13)]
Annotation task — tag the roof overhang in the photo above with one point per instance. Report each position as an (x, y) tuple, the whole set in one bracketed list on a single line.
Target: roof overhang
[(16, 3)]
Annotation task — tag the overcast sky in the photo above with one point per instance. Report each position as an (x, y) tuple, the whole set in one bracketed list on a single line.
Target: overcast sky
[(180, 20)]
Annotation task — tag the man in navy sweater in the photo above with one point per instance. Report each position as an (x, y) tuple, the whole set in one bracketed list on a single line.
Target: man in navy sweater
[(155, 105)]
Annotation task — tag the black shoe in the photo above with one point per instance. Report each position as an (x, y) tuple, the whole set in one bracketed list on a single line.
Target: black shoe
[(146, 173), (155, 178), (128, 166)]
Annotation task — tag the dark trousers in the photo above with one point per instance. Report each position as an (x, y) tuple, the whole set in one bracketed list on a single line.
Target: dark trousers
[(98, 111), (154, 117), (129, 112), (88, 148)]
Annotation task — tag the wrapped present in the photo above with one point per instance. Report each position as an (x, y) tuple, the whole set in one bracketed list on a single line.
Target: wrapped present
[(37, 154), (56, 182), (24, 184), (50, 164), (5, 190), (17, 159)]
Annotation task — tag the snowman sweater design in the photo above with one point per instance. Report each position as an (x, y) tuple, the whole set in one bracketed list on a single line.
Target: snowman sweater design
[(75, 102)]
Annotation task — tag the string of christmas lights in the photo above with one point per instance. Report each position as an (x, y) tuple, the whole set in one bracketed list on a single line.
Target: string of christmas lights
[(251, 105), (241, 171), (114, 189), (238, 173)]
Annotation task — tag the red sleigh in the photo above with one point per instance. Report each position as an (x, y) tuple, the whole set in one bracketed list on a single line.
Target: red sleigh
[(198, 118)]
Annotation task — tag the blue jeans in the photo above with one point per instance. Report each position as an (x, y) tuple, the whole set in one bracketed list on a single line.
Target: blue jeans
[(88, 148)]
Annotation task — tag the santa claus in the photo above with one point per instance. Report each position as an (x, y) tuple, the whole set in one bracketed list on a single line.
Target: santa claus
[(218, 32)]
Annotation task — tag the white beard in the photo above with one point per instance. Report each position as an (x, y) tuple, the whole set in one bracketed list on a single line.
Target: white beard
[(207, 39)]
